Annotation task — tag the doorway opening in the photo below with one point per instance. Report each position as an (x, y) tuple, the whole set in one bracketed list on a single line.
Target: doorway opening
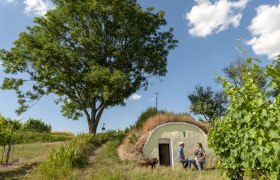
[(165, 152)]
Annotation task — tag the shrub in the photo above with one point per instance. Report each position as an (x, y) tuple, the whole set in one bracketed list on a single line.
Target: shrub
[(151, 111), (247, 138), (15, 124), (4, 131), (36, 125)]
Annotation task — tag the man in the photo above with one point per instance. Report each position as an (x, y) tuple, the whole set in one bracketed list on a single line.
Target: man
[(181, 156)]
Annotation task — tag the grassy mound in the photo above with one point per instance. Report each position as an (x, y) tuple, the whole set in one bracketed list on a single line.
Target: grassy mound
[(132, 146)]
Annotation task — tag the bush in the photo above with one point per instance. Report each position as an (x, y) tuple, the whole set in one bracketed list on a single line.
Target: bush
[(36, 125), (15, 124), (247, 138), (5, 131), (150, 112)]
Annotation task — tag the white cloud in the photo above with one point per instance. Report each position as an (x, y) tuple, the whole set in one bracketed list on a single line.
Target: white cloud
[(136, 97), (207, 18), (36, 7), (33, 7), (265, 29)]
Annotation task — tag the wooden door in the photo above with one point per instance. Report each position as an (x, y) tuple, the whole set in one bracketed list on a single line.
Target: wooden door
[(164, 154)]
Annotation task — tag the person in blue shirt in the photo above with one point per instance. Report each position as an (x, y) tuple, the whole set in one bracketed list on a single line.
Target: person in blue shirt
[(181, 156)]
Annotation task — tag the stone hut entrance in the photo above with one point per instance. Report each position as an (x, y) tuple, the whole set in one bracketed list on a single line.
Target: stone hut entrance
[(164, 151)]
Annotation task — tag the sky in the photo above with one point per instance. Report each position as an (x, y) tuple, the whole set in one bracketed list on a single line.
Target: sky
[(208, 32)]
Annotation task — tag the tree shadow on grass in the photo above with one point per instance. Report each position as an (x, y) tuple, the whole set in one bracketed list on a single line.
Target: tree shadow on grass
[(18, 173)]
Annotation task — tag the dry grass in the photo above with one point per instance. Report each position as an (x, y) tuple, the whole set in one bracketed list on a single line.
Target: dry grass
[(66, 133), (168, 117), (128, 151)]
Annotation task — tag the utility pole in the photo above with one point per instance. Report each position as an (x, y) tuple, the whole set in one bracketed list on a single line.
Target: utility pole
[(156, 100)]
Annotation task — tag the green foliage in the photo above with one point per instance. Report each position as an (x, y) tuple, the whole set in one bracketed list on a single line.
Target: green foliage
[(119, 134), (5, 131), (73, 154), (15, 124), (204, 101), (133, 138), (23, 137), (150, 112), (36, 125), (239, 68), (92, 54), (247, 138)]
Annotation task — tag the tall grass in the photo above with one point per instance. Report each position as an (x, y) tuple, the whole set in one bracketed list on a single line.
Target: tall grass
[(25, 158), (70, 156), (23, 137)]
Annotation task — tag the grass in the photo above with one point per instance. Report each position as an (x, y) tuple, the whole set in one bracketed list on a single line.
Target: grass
[(26, 151), (131, 170), (103, 164), (71, 157), (26, 157), (107, 166), (23, 137)]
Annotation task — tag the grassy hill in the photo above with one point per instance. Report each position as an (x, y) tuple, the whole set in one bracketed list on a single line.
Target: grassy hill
[(30, 150), (26, 157), (87, 157)]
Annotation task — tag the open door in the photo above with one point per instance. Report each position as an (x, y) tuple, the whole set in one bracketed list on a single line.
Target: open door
[(164, 154)]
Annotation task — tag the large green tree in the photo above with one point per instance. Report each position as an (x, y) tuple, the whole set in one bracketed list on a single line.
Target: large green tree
[(93, 54)]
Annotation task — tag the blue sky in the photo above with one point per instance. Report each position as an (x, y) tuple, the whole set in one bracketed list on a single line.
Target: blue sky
[(207, 32)]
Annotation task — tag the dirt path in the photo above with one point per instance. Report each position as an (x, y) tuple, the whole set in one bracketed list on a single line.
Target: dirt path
[(94, 153)]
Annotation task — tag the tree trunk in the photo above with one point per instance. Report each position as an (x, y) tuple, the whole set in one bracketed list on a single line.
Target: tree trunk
[(93, 121), (9, 149), (2, 159), (13, 147)]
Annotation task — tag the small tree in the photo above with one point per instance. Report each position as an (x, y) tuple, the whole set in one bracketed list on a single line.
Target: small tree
[(16, 124), (247, 139), (204, 101), (5, 138), (93, 54)]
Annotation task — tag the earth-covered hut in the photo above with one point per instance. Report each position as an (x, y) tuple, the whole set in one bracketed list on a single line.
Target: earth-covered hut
[(159, 138)]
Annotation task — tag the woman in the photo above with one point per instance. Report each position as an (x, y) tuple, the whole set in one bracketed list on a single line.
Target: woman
[(200, 155)]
